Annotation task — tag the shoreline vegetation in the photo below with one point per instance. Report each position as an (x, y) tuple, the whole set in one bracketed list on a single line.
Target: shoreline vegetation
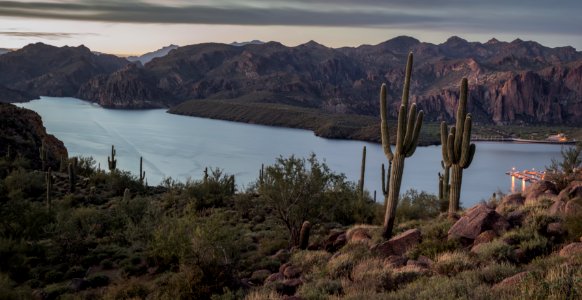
[(356, 127)]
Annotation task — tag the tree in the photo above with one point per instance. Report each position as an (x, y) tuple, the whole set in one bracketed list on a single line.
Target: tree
[(568, 169)]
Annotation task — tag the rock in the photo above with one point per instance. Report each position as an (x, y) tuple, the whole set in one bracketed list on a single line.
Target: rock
[(571, 249), (416, 264), (519, 255), (556, 229), (289, 286), (275, 277), (358, 235), (573, 208), (573, 190), (399, 244), (510, 282), (292, 272), (515, 218), (485, 237), (477, 219), (78, 284), (508, 201), (331, 243), (282, 255), (259, 276), (557, 208), (540, 189), (395, 261), (39, 294), (283, 267), (425, 261)]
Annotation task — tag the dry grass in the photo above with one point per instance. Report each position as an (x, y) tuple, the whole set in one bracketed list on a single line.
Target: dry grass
[(452, 263), (263, 295)]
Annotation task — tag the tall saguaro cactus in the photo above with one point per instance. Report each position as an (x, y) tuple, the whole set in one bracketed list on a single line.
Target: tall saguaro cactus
[(407, 132), (111, 161), (458, 151), (72, 178), (362, 174)]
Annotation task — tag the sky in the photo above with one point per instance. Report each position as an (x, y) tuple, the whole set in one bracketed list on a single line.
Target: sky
[(129, 27)]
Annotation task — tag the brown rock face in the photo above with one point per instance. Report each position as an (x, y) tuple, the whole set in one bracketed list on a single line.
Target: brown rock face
[(23, 131), (540, 189), (399, 244), (358, 235), (477, 220), (511, 281), (485, 237)]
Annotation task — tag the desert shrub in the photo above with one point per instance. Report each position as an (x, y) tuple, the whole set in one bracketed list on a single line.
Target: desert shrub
[(435, 239), (85, 166), (414, 205), (213, 191), (496, 250), (131, 289), (309, 261), (171, 241), (573, 226), (320, 289), (263, 294), (495, 272), (538, 220), (75, 272), (372, 274), (98, 280), (342, 264), (442, 287), (24, 185), (568, 169), (452, 263)]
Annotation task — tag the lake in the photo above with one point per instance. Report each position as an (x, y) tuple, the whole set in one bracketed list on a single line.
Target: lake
[(181, 147)]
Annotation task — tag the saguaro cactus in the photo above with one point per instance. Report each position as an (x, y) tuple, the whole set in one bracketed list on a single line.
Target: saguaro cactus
[(43, 154), (457, 149), (408, 130), (72, 178), (141, 171), (126, 195), (262, 175), (386, 179), (362, 173), (49, 187), (111, 160), (304, 235)]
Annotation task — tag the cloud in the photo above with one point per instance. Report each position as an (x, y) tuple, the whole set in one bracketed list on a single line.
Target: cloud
[(42, 35), (534, 16)]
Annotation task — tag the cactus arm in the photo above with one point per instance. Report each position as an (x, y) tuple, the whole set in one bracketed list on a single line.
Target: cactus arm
[(417, 126), (400, 132), (384, 124), (444, 145), (461, 113), (468, 158), (410, 126), (406, 89), (451, 146)]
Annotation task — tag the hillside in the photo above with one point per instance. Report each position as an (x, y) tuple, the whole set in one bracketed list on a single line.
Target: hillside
[(511, 83)]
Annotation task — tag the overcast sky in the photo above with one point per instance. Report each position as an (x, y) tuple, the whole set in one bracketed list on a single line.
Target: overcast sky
[(138, 26)]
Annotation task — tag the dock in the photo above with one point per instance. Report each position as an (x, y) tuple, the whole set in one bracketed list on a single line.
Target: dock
[(527, 175)]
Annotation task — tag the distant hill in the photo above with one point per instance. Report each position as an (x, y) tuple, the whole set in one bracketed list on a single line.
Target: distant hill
[(3, 51), (253, 42), (519, 82), (40, 69), (144, 59)]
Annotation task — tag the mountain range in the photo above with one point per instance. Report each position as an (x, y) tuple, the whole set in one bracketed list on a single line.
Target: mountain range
[(145, 58), (518, 82)]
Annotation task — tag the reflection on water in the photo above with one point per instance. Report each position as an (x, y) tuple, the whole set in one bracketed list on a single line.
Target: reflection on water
[(181, 147)]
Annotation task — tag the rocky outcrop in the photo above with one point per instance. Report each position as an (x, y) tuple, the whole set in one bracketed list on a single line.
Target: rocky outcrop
[(22, 130), (399, 244), (540, 190), (475, 221), (571, 249)]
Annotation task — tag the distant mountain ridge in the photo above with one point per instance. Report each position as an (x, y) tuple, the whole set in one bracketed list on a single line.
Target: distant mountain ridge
[(145, 58), (3, 51), (253, 42), (518, 82)]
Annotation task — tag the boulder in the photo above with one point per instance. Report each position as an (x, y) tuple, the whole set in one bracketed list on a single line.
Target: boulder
[(485, 237), (557, 208), (571, 249), (510, 282), (399, 244), (573, 190), (275, 277), (395, 261), (556, 229), (334, 241), (425, 261), (282, 255), (292, 272), (477, 219), (515, 218), (78, 284), (358, 235), (539, 190), (508, 201), (573, 207)]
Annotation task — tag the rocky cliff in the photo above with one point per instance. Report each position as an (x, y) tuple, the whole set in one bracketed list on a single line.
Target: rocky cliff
[(22, 130)]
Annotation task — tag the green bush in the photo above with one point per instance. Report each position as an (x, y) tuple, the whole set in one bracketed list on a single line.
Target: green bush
[(496, 250), (414, 205)]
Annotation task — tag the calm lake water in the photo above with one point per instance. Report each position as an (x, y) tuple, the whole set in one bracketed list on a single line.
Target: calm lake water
[(181, 147)]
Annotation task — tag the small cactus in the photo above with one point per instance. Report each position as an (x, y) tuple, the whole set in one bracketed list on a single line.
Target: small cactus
[(72, 178), (49, 187), (141, 171), (457, 149), (407, 132), (304, 235), (111, 160), (206, 175), (232, 185), (444, 183), (362, 174), (126, 195), (262, 175)]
